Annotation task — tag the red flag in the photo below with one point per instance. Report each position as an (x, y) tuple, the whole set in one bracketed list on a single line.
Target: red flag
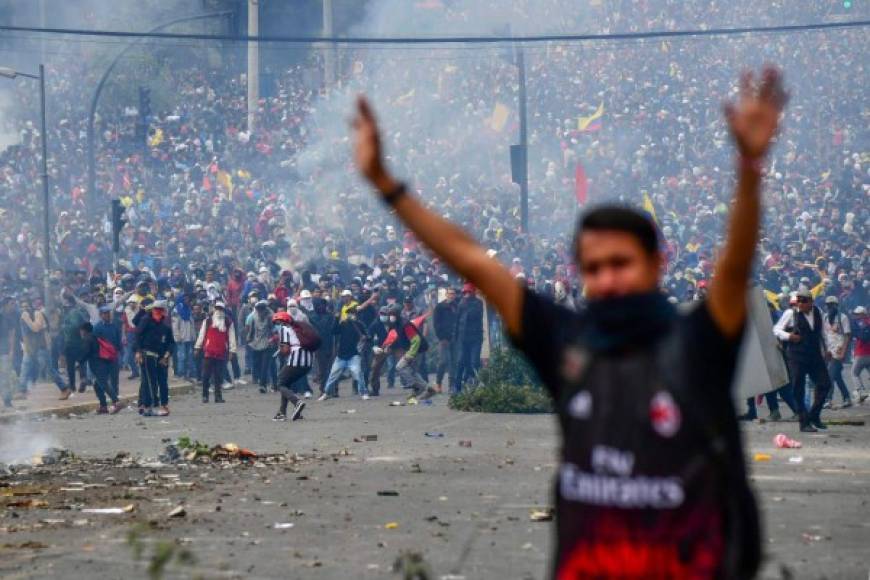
[(581, 183)]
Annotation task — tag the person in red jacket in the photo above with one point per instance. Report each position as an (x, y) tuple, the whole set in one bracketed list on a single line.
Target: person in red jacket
[(216, 342), (234, 290)]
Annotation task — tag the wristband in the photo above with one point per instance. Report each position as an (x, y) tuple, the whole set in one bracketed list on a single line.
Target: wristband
[(751, 164), (391, 197)]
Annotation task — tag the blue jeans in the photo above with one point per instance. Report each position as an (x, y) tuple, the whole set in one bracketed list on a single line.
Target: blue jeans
[(130, 355), (354, 365), (184, 352), (32, 365)]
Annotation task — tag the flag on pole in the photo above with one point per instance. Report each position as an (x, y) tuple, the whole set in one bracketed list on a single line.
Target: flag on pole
[(592, 122), (581, 183), (499, 117), (649, 208), (226, 180)]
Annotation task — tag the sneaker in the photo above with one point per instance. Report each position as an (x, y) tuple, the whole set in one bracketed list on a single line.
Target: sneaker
[(774, 417), (323, 397), (817, 423), (279, 417), (219, 399), (792, 419), (827, 405), (365, 397), (846, 405), (103, 410), (83, 387), (297, 411), (147, 413), (746, 417), (64, 395), (205, 399), (862, 397), (162, 412), (808, 429), (263, 390), (229, 386), (115, 408), (241, 382), (427, 394), (308, 394)]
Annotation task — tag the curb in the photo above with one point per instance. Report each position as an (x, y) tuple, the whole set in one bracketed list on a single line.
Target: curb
[(87, 407)]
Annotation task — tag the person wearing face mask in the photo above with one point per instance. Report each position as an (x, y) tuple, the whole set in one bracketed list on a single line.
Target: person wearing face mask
[(350, 333), (405, 343), (154, 343), (244, 313), (323, 320), (306, 303), (377, 331), (217, 342), (838, 334)]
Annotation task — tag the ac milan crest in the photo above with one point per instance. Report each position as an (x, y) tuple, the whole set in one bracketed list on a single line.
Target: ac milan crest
[(664, 414)]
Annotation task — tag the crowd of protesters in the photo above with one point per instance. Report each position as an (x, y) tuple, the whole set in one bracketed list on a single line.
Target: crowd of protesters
[(226, 219)]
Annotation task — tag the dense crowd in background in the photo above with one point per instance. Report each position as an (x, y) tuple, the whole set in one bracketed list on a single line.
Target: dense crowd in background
[(215, 209)]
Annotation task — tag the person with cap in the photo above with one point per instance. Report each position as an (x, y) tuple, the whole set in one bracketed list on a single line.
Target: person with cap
[(295, 365), (838, 335), (861, 324), (469, 337), (351, 333), (154, 344), (101, 355), (108, 329), (258, 335), (217, 343), (346, 302), (802, 332)]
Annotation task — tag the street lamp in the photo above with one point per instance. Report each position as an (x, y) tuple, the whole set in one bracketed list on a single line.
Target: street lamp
[(46, 207)]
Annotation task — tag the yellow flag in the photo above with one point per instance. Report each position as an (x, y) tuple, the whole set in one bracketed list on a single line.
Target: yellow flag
[(772, 298), (226, 180), (499, 117), (648, 207), (584, 122), (156, 139)]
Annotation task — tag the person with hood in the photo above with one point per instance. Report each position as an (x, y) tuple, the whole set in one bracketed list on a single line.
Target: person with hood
[(185, 334), (444, 322), (217, 343), (154, 344), (469, 337), (258, 336), (634, 477)]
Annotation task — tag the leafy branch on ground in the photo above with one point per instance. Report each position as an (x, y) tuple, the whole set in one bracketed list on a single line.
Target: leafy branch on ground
[(508, 384)]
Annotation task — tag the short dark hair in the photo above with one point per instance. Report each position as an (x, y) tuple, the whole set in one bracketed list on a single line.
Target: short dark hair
[(622, 219), (87, 327)]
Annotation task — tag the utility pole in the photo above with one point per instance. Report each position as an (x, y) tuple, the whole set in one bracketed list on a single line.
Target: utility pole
[(329, 55), (47, 298), (524, 143), (253, 62)]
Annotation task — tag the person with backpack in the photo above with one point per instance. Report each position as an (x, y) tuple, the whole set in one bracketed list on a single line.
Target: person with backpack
[(652, 481), (217, 343), (109, 334), (861, 362), (297, 342), (404, 343), (101, 355), (351, 333), (838, 335)]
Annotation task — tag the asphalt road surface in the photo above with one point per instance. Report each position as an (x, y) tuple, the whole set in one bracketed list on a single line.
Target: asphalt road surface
[(357, 506)]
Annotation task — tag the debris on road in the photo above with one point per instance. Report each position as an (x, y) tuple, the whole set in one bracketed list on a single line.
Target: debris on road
[(28, 504), (412, 566), (783, 441), (177, 512), (465, 443), (51, 456), (434, 434), (392, 525), (845, 422), (365, 438), (542, 515), (796, 459), (110, 511), (388, 493), (283, 525), (762, 457)]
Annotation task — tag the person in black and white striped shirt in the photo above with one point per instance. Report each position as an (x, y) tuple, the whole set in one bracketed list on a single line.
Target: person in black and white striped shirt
[(296, 363)]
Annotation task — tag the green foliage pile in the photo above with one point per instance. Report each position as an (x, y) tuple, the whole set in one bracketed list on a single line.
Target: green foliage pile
[(508, 384)]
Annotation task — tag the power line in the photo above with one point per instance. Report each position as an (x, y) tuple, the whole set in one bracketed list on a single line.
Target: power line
[(447, 39)]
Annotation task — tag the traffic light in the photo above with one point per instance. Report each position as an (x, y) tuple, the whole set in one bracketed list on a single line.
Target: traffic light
[(144, 113), (118, 221)]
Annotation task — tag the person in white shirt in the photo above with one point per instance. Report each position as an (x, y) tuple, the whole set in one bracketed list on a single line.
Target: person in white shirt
[(838, 334), (801, 330)]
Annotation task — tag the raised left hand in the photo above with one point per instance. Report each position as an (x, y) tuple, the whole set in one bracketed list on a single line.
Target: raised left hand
[(754, 118)]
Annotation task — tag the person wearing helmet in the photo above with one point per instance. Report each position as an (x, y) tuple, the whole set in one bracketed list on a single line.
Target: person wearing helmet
[(838, 335), (861, 324)]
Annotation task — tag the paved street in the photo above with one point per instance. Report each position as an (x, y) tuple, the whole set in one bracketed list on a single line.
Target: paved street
[(466, 510)]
